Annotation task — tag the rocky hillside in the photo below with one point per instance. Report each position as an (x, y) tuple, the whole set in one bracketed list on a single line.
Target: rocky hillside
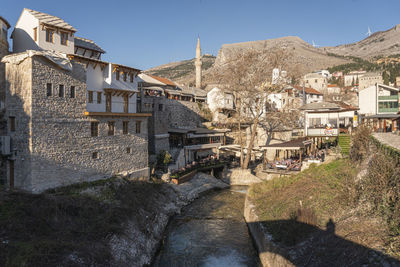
[(382, 43), (181, 71), (309, 57)]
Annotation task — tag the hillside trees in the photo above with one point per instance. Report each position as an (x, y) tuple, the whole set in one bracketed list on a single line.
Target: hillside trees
[(247, 75)]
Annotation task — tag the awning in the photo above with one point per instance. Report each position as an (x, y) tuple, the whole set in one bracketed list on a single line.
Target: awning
[(296, 144)]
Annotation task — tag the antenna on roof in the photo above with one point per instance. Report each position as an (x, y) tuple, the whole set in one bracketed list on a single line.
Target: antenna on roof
[(368, 32), (313, 44)]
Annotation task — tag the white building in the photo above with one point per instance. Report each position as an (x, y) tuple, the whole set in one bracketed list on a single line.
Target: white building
[(326, 119), (219, 102), (324, 73), (379, 99), (353, 77), (40, 31), (311, 95), (110, 87)]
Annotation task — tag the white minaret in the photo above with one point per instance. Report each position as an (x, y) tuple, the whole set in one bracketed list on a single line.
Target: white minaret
[(198, 64)]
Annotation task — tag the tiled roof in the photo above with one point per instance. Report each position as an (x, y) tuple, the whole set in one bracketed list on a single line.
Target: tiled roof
[(320, 106), (88, 44), (50, 20), (163, 80), (308, 90)]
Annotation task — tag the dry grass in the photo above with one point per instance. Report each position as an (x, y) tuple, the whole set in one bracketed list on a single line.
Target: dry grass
[(46, 229)]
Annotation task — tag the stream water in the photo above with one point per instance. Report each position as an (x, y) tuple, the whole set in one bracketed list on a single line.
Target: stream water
[(210, 232)]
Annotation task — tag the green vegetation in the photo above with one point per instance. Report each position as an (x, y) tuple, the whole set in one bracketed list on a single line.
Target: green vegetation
[(319, 193), (74, 222), (333, 191), (357, 64), (344, 143)]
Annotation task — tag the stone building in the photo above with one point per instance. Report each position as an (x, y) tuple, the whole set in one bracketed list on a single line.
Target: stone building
[(369, 79), (55, 140), (4, 26), (71, 116), (316, 81), (171, 106)]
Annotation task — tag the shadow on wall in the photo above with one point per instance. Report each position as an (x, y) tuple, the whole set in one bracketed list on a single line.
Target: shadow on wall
[(60, 150), (26, 40), (314, 247)]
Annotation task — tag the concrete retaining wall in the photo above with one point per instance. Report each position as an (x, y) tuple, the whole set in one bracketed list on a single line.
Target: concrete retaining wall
[(270, 254)]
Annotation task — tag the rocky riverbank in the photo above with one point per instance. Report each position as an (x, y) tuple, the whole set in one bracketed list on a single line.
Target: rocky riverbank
[(113, 222)]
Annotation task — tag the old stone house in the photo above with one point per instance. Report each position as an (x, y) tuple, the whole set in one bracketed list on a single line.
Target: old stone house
[(4, 26), (71, 116)]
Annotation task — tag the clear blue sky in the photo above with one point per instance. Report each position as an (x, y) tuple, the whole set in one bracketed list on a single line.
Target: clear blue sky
[(145, 34)]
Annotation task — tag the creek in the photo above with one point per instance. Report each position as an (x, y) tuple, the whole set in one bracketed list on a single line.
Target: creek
[(211, 231)]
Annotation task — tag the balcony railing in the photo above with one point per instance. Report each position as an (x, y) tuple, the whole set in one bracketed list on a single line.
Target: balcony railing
[(322, 132), (388, 97), (388, 110)]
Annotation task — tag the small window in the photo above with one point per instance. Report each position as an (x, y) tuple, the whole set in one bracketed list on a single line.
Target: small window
[(95, 155), (131, 76), (128, 150), (61, 90), (35, 34), (49, 89), (49, 35), (12, 124), (124, 75), (64, 38), (72, 95), (160, 107), (98, 97), (94, 128), (125, 127), (111, 128), (138, 126), (117, 75), (90, 96), (316, 81)]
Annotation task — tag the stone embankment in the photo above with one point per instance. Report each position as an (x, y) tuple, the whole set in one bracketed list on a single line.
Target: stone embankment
[(239, 176), (135, 247), (270, 253)]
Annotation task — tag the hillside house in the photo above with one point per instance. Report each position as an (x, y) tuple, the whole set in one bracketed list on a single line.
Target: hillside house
[(379, 105), (328, 119), (369, 79), (71, 116), (315, 81)]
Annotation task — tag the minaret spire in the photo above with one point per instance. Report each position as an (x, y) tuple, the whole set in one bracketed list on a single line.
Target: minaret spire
[(198, 64)]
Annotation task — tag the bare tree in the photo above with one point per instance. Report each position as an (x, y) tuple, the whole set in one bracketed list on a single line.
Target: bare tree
[(248, 76)]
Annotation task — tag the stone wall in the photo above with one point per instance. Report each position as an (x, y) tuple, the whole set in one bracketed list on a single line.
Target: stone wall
[(183, 114), (168, 113), (270, 254), (53, 136), (3, 122)]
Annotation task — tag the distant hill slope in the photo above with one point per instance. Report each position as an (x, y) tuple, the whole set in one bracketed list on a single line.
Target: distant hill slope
[(308, 58), (382, 43), (181, 71)]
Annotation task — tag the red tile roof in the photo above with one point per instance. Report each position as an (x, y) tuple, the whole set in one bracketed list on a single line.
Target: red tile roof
[(308, 90), (163, 80)]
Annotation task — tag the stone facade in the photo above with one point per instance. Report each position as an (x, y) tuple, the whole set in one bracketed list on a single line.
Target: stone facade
[(4, 26), (52, 141), (168, 113)]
